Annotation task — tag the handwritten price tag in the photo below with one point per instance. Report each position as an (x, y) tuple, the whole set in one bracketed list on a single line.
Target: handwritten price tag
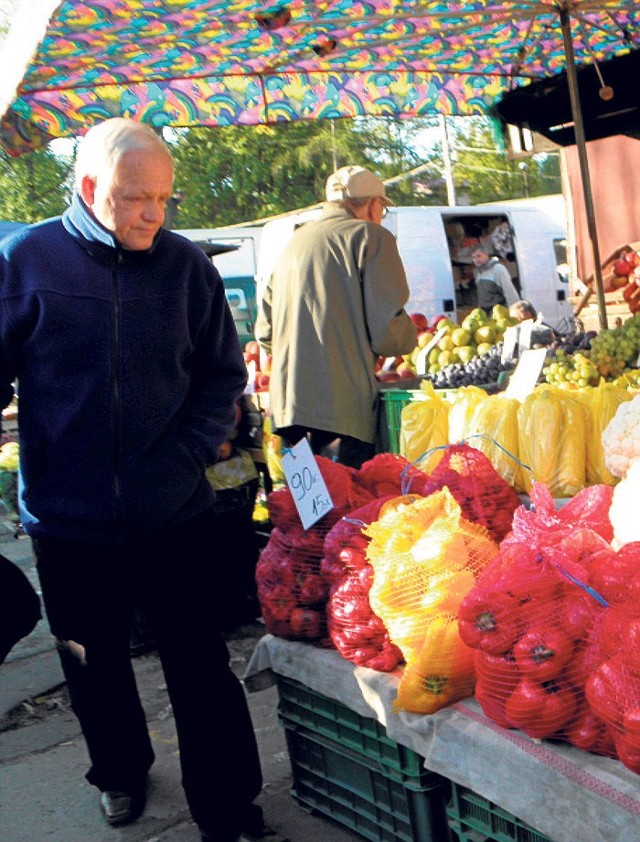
[(310, 493)]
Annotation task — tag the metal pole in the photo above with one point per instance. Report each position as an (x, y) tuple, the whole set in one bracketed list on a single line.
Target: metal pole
[(334, 154), (572, 81), (447, 164)]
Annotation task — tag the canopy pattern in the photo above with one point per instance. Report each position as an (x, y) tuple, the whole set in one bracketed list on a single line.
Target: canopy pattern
[(224, 62)]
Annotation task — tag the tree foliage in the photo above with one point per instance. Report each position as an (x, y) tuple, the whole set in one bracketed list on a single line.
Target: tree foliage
[(33, 186), (243, 173), (238, 174)]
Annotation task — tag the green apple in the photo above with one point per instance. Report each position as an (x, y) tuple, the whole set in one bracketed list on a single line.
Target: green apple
[(485, 333), (460, 337), (466, 353)]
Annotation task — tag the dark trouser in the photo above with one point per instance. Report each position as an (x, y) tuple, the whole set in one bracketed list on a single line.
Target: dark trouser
[(176, 576), (345, 449)]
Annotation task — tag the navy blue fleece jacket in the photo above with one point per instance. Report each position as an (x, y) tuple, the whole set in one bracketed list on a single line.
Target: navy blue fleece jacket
[(128, 367)]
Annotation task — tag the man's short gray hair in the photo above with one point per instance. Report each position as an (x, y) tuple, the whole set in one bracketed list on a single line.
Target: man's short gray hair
[(103, 145)]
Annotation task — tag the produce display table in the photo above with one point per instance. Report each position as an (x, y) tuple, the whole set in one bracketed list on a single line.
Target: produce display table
[(564, 793)]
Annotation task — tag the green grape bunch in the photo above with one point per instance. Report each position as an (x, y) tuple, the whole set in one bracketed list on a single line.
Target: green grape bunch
[(571, 370), (615, 350)]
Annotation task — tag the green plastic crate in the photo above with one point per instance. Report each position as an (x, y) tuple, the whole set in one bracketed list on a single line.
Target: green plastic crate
[(346, 787), (309, 712), (474, 819), (392, 403)]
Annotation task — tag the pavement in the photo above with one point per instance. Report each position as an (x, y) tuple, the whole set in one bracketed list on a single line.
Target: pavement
[(44, 796)]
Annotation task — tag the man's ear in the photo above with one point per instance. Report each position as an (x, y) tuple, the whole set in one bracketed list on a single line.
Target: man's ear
[(88, 190)]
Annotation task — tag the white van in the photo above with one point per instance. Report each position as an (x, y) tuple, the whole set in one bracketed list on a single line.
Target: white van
[(234, 251), (435, 245)]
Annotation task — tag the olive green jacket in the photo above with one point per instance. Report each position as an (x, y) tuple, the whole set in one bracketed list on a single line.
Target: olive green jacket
[(335, 301)]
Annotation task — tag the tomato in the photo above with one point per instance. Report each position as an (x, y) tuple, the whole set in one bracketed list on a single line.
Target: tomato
[(313, 589), (627, 754), (386, 660), (528, 574), (306, 623), (496, 678), (612, 692), (540, 710), (616, 631), (631, 726), (542, 652), (365, 577), (279, 601), (488, 620), (611, 572), (332, 570), (352, 558), (576, 613), (590, 733)]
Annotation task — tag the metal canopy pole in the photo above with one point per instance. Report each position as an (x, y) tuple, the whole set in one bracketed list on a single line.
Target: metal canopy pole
[(572, 81)]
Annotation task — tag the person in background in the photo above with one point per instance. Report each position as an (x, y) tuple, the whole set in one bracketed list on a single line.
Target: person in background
[(19, 606), (502, 242), (522, 310), (130, 368), (541, 333), (335, 301), (493, 281)]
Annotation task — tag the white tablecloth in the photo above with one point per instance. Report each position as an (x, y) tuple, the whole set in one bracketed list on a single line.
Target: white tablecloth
[(564, 793)]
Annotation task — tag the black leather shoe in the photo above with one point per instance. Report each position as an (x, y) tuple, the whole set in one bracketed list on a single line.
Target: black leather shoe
[(122, 807)]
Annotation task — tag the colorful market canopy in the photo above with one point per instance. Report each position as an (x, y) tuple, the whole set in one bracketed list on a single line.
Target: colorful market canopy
[(223, 62)]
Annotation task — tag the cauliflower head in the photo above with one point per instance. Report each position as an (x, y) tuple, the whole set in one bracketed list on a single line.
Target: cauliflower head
[(623, 512), (621, 438)]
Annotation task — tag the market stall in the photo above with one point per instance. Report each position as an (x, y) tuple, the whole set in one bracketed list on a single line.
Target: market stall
[(564, 793), (475, 600)]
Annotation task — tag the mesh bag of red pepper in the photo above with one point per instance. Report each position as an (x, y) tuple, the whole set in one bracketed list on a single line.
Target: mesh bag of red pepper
[(356, 631), (390, 474), (613, 686), (345, 493), (483, 495), (292, 589), (555, 622), (540, 523), (425, 558)]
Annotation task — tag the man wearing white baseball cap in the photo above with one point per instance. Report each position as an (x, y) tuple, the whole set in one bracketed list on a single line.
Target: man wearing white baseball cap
[(335, 301)]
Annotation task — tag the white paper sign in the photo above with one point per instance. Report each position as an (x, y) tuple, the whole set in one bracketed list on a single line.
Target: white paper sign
[(526, 374), (524, 337), (509, 342), (308, 488)]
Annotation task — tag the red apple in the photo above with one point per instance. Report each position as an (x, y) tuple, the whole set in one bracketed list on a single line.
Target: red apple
[(251, 358), (419, 320), (387, 376), (632, 258), (622, 267), (252, 347)]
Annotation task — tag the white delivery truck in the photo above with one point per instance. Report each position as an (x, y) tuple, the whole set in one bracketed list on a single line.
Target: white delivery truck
[(234, 251), (435, 244)]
